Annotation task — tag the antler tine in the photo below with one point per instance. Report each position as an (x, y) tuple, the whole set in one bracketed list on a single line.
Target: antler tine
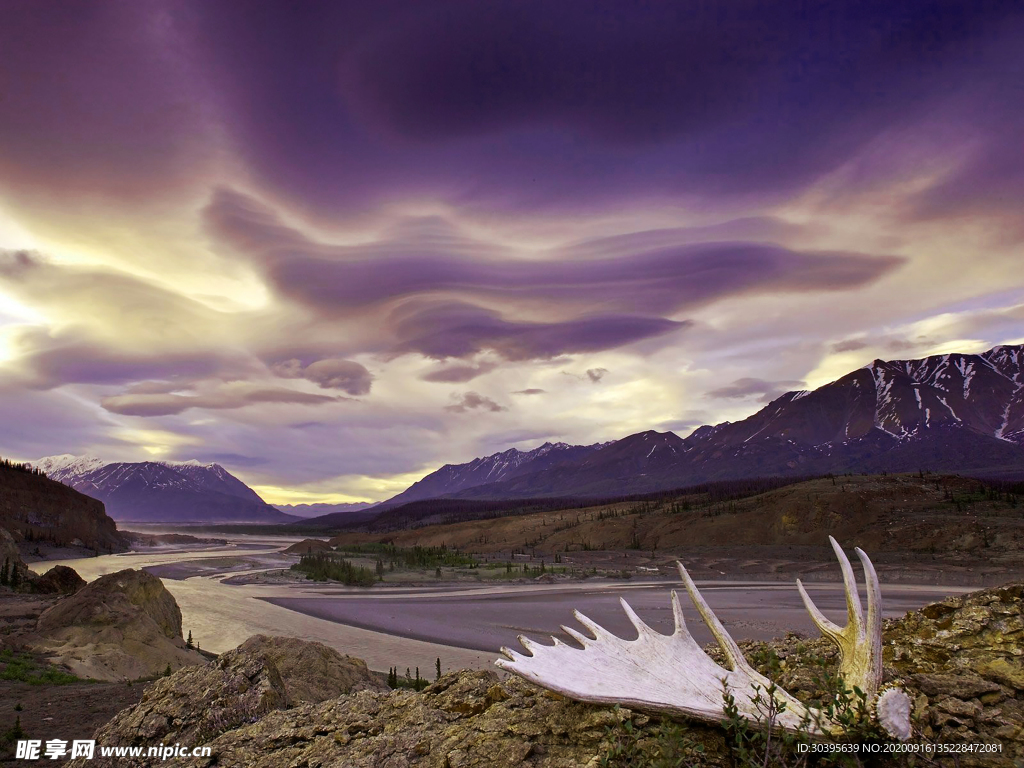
[(854, 611), (677, 615), (874, 621), (828, 628), (732, 651), (860, 642), (641, 627)]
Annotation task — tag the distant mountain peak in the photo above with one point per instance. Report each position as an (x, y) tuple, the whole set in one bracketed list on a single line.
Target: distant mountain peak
[(162, 491)]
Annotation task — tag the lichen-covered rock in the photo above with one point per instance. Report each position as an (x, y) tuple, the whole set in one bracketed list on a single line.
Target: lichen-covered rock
[(312, 672), (465, 720), (196, 704), (124, 625), (263, 674)]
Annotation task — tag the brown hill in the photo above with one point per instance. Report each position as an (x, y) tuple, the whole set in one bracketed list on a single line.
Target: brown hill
[(308, 547), (880, 513)]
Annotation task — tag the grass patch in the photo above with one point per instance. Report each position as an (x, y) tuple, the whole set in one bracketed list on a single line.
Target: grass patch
[(24, 669)]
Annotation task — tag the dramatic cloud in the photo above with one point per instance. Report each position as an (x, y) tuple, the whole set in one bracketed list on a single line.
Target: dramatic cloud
[(851, 345), (163, 404), (346, 375), (472, 401), (748, 387), (458, 330), (282, 234), (634, 273), (459, 374)]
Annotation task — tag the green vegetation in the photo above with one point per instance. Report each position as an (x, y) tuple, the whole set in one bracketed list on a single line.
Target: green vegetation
[(413, 557), (416, 683), (325, 566), (23, 668), (13, 734), (761, 743)]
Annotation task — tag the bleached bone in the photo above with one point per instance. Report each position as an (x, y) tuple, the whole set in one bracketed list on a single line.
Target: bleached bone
[(672, 675)]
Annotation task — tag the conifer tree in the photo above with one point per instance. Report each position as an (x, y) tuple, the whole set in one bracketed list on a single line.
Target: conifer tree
[(189, 643)]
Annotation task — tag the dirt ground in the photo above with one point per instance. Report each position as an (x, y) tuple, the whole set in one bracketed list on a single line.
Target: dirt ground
[(64, 712)]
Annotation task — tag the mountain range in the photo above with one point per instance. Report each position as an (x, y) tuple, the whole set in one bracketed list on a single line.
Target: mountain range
[(321, 509), (959, 413), (163, 491)]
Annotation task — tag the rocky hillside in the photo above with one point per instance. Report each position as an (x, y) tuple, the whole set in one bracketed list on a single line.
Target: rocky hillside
[(959, 659), (36, 508), (941, 524)]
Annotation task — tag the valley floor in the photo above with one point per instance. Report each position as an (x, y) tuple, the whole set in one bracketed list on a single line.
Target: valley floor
[(231, 592)]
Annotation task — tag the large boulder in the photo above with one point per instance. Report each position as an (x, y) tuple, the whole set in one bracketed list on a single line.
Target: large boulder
[(197, 704), (59, 580), (124, 625), (312, 672)]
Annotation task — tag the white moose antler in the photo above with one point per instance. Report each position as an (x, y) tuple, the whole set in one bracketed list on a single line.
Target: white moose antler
[(671, 674)]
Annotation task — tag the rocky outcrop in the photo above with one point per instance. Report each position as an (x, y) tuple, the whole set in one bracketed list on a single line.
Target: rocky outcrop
[(59, 580), (263, 674), (35, 508), (308, 547), (312, 672), (124, 625), (960, 660)]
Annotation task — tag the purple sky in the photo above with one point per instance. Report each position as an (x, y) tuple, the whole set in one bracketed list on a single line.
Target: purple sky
[(334, 245)]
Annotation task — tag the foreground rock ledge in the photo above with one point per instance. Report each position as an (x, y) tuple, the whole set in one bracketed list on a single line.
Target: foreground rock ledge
[(961, 660)]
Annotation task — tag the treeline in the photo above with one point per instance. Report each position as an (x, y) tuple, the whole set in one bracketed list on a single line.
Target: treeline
[(411, 557), (20, 467), (325, 566)]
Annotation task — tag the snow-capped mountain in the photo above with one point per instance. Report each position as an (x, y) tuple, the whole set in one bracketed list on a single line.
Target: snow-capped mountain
[(945, 413), (65, 468), (155, 491), (453, 478)]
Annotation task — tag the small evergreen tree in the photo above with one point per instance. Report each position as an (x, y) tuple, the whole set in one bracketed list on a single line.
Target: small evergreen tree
[(189, 643), (167, 670), (437, 668)]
